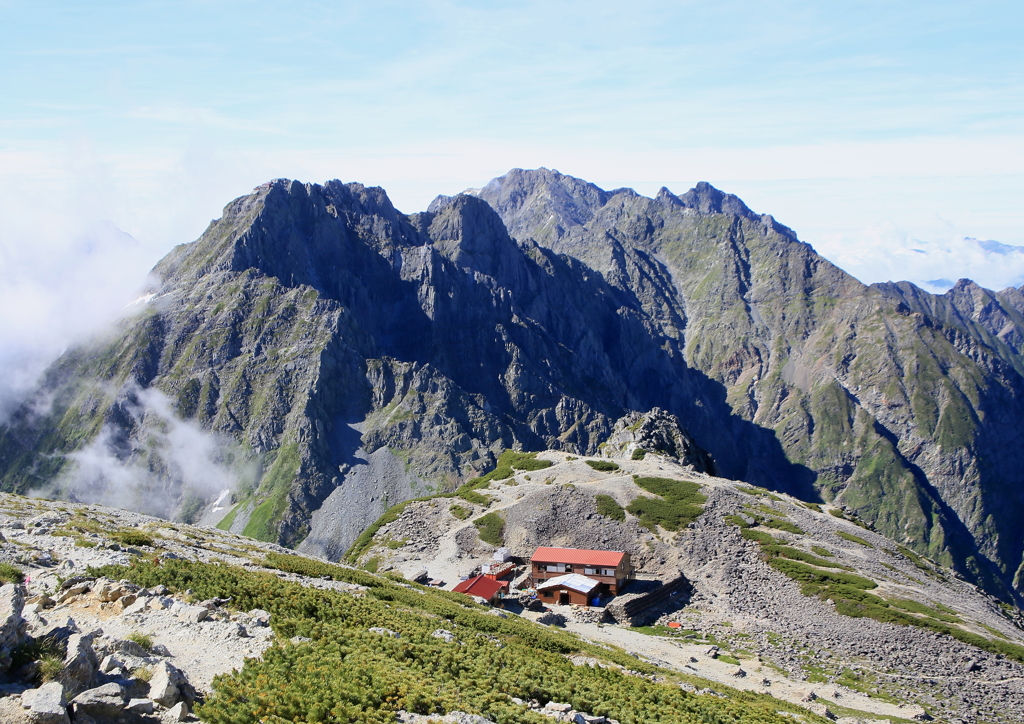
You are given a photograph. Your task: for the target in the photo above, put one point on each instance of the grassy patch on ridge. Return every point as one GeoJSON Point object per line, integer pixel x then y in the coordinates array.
{"type": "Point", "coordinates": [681, 503]}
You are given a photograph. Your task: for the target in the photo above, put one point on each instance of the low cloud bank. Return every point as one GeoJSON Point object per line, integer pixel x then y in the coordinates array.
{"type": "Point", "coordinates": [887, 253]}
{"type": "Point", "coordinates": [55, 291]}
{"type": "Point", "coordinates": [156, 463]}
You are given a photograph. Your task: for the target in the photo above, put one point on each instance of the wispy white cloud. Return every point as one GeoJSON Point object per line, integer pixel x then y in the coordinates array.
{"type": "Point", "coordinates": [175, 460]}
{"type": "Point", "coordinates": [887, 252]}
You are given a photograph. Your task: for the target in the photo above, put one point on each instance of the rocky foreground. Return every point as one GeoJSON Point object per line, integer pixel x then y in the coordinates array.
{"type": "Point", "coordinates": [82, 649]}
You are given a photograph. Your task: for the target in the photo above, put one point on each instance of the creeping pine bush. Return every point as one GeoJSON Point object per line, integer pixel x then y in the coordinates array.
{"type": "Point", "coordinates": [10, 574]}
{"type": "Point", "coordinates": [602, 466]}
{"type": "Point", "coordinates": [681, 503]}
{"type": "Point", "coordinates": [853, 538]}
{"type": "Point", "coordinates": [131, 537]}
{"type": "Point", "coordinates": [780, 524]}
{"type": "Point", "coordinates": [346, 673]}
{"type": "Point", "coordinates": [607, 507]}
{"type": "Point", "coordinates": [491, 528]}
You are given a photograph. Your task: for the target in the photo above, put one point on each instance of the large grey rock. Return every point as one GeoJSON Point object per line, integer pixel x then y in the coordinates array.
{"type": "Point", "coordinates": [47, 704]}
{"type": "Point", "coordinates": [109, 663]}
{"type": "Point", "coordinates": [192, 614]}
{"type": "Point", "coordinates": [140, 706]}
{"type": "Point", "coordinates": [124, 646]}
{"type": "Point", "coordinates": [137, 606]}
{"type": "Point", "coordinates": [178, 712]}
{"type": "Point", "coordinates": [106, 590]}
{"type": "Point", "coordinates": [101, 702]}
{"type": "Point", "coordinates": [12, 633]}
{"type": "Point", "coordinates": [72, 592]}
{"type": "Point", "coordinates": [80, 665]}
{"type": "Point", "coordinates": [259, 617]}
{"type": "Point", "coordinates": [168, 685]}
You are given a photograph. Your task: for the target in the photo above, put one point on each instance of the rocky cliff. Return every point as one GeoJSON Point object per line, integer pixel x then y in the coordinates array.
{"type": "Point", "coordinates": [346, 356]}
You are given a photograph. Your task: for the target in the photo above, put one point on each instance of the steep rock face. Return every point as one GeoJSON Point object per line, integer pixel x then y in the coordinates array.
{"type": "Point", "coordinates": [314, 327]}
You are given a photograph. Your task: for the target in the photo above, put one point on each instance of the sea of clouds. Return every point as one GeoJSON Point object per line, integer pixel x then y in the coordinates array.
{"type": "Point", "coordinates": [888, 253]}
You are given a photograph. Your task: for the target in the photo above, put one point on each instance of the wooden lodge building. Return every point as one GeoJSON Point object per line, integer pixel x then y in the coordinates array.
{"type": "Point", "coordinates": [573, 575]}
{"type": "Point", "coordinates": [483, 587]}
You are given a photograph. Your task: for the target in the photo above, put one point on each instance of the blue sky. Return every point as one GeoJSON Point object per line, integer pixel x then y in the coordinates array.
{"type": "Point", "coordinates": [883, 133]}
{"type": "Point", "coordinates": [431, 97]}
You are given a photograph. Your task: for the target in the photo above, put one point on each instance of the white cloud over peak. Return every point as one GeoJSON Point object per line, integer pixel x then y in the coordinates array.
{"type": "Point", "coordinates": [888, 253]}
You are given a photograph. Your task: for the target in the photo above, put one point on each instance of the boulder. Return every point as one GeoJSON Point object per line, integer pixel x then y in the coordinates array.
{"type": "Point", "coordinates": [124, 601]}
{"type": "Point", "coordinates": [103, 589]}
{"type": "Point", "coordinates": [178, 712]}
{"type": "Point", "coordinates": [125, 646]}
{"type": "Point", "coordinates": [140, 706]}
{"type": "Point", "coordinates": [102, 703]}
{"type": "Point", "coordinates": [110, 663]}
{"type": "Point", "coordinates": [137, 606]}
{"type": "Point", "coordinates": [12, 630]}
{"type": "Point", "coordinates": [232, 629]}
{"type": "Point", "coordinates": [447, 636]}
{"type": "Point", "coordinates": [260, 617]}
{"type": "Point", "coordinates": [75, 582]}
{"type": "Point", "coordinates": [46, 705]}
{"type": "Point", "coordinates": [72, 592]}
{"type": "Point", "coordinates": [159, 603]}
{"type": "Point", "coordinates": [384, 632]}
{"type": "Point", "coordinates": [80, 665]}
{"type": "Point", "coordinates": [192, 614]}
{"type": "Point", "coordinates": [168, 685]}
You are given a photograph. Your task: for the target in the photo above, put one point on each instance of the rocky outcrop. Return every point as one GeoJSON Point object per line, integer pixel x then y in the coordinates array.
{"type": "Point", "coordinates": [659, 433]}
{"type": "Point", "coordinates": [47, 704]}
{"type": "Point", "coordinates": [12, 633]}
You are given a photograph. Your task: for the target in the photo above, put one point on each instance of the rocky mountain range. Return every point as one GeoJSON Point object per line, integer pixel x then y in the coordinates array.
{"type": "Point", "coordinates": [340, 356]}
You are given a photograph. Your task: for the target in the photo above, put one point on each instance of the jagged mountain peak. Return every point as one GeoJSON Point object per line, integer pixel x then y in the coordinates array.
{"type": "Point", "coordinates": [470, 233]}
{"type": "Point", "coordinates": [706, 199]}
{"type": "Point", "coordinates": [528, 198]}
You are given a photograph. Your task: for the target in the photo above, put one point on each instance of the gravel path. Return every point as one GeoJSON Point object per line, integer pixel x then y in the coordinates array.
{"type": "Point", "coordinates": [694, 659]}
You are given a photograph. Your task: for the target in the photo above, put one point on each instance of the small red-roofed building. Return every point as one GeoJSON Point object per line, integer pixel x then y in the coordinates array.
{"type": "Point", "coordinates": [482, 587]}
{"type": "Point", "coordinates": [612, 569]}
